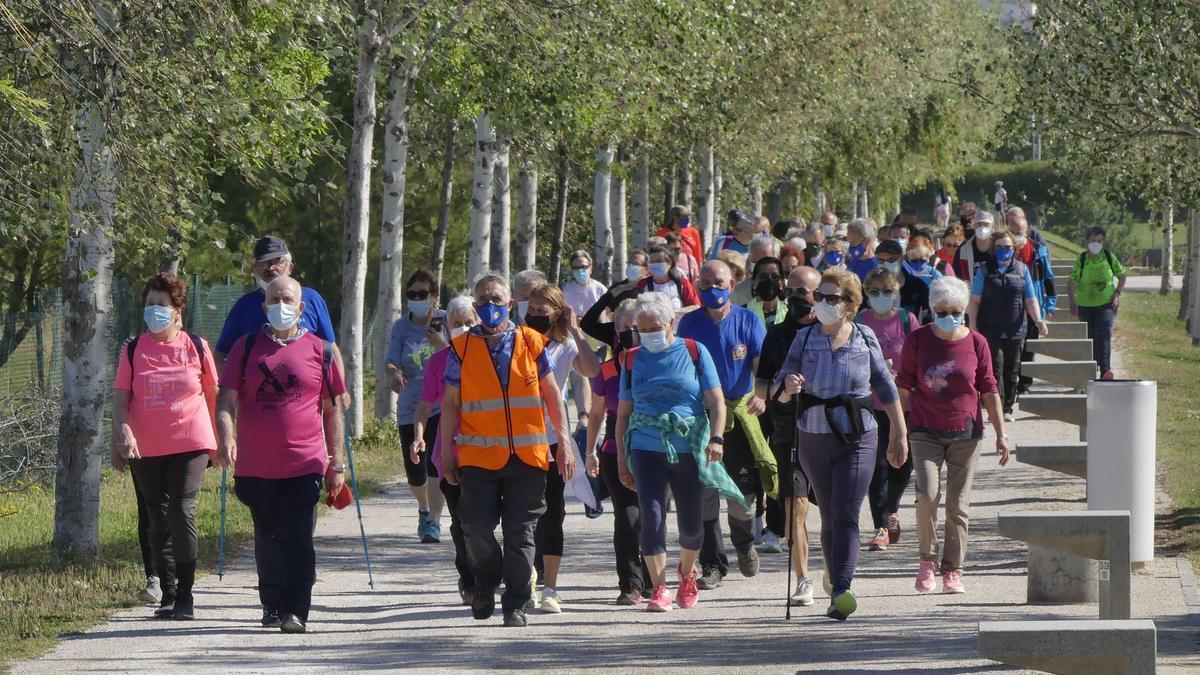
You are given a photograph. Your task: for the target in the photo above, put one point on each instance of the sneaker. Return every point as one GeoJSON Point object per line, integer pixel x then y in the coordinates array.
{"type": "Point", "coordinates": [629, 599]}
{"type": "Point", "coordinates": [425, 528]}
{"type": "Point", "coordinates": [689, 593]}
{"type": "Point", "coordinates": [842, 606]}
{"type": "Point", "coordinates": [748, 562]}
{"type": "Point", "coordinates": [533, 595]}
{"type": "Point", "coordinates": [880, 542]}
{"type": "Point", "coordinates": [435, 533]}
{"type": "Point", "coordinates": [771, 543]}
{"type": "Point", "coordinates": [152, 593]}
{"type": "Point", "coordinates": [952, 582]}
{"type": "Point", "coordinates": [803, 597]}
{"type": "Point", "coordinates": [595, 513]}
{"type": "Point", "coordinates": [515, 619]}
{"type": "Point", "coordinates": [925, 574]}
{"type": "Point", "coordinates": [893, 528]}
{"type": "Point", "coordinates": [184, 610]}
{"type": "Point", "coordinates": [660, 600]}
{"type": "Point", "coordinates": [1008, 417]}
{"type": "Point", "coordinates": [549, 603]}
{"type": "Point", "coordinates": [710, 578]}
{"type": "Point", "coordinates": [270, 618]}
{"type": "Point", "coordinates": [483, 606]}
{"type": "Point", "coordinates": [1108, 375]}
{"type": "Point", "coordinates": [166, 606]}
{"type": "Point", "coordinates": [290, 623]}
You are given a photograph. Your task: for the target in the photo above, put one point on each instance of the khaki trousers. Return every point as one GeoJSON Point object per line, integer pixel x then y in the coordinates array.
{"type": "Point", "coordinates": [960, 456]}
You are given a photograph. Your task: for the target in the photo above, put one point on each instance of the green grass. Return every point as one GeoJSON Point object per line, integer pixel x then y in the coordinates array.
{"type": "Point", "coordinates": [41, 599]}
{"type": "Point", "coordinates": [1061, 247]}
{"type": "Point", "coordinates": [1156, 347]}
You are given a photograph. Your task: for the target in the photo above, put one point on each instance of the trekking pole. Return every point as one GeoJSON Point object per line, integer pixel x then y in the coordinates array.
{"type": "Point", "coordinates": [221, 538]}
{"type": "Point", "coordinates": [358, 505]}
{"type": "Point", "coordinates": [790, 508]}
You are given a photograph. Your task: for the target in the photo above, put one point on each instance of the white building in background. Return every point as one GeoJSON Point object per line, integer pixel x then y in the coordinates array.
{"type": "Point", "coordinates": [1018, 13]}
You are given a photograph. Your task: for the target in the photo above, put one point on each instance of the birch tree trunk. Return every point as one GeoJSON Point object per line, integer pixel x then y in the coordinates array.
{"type": "Point", "coordinates": [602, 217]}
{"type": "Point", "coordinates": [718, 184]}
{"type": "Point", "coordinates": [862, 205]}
{"type": "Point", "coordinates": [854, 199]}
{"type": "Point", "coordinates": [481, 198]}
{"type": "Point", "coordinates": [819, 199]}
{"type": "Point", "coordinates": [669, 197]}
{"type": "Point", "coordinates": [562, 193]}
{"type": "Point", "coordinates": [527, 203]}
{"type": "Point", "coordinates": [685, 181]}
{"type": "Point", "coordinates": [391, 228]}
{"type": "Point", "coordinates": [779, 195]}
{"type": "Point", "coordinates": [501, 244]}
{"type": "Point", "coordinates": [87, 295]}
{"type": "Point", "coordinates": [438, 254]}
{"type": "Point", "coordinates": [756, 196]}
{"type": "Point", "coordinates": [617, 215]}
{"type": "Point", "coordinates": [639, 214]}
{"type": "Point", "coordinates": [705, 216]}
{"type": "Point", "coordinates": [1168, 247]}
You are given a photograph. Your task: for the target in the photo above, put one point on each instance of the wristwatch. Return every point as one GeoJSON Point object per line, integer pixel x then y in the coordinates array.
{"type": "Point", "coordinates": [339, 468]}
{"type": "Point", "coordinates": [718, 440]}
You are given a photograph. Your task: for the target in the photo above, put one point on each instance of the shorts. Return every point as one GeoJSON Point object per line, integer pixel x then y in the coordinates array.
{"type": "Point", "coordinates": [793, 482]}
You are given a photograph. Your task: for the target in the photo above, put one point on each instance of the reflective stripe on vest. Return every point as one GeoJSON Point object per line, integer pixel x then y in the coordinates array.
{"type": "Point", "coordinates": [498, 403]}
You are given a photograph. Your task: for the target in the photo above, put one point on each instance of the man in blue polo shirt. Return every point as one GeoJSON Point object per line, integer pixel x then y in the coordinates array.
{"type": "Point", "coordinates": [271, 259]}
{"type": "Point", "coordinates": [733, 336]}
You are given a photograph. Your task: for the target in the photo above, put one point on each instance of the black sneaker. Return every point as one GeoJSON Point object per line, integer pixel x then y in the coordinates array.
{"type": "Point", "coordinates": [184, 610]}
{"type": "Point", "coordinates": [710, 579]}
{"type": "Point", "coordinates": [270, 618]}
{"type": "Point", "coordinates": [748, 562]}
{"type": "Point", "coordinates": [166, 607]}
{"type": "Point", "coordinates": [484, 604]}
{"type": "Point", "coordinates": [515, 619]}
{"type": "Point", "coordinates": [290, 623]}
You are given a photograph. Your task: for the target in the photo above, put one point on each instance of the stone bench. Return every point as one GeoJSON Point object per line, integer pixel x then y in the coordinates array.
{"type": "Point", "coordinates": [1081, 647]}
{"type": "Point", "coordinates": [1097, 535]}
{"type": "Point", "coordinates": [1060, 348]}
{"type": "Point", "coordinates": [1073, 374]}
{"type": "Point", "coordinates": [1068, 458]}
{"type": "Point", "coordinates": [1069, 408]}
{"type": "Point", "coordinates": [1068, 329]}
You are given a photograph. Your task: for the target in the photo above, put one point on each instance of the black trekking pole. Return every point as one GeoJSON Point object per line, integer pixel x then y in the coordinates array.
{"type": "Point", "coordinates": [789, 509]}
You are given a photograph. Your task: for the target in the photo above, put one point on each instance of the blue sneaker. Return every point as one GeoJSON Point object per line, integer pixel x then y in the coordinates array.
{"type": "Point", "coordinates": [425, 528]}
{"type": "Point", "coordinates": [595, 513]}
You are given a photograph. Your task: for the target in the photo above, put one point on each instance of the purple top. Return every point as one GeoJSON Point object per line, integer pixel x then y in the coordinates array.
{"type": "Point", "coordinates": [433, 387]}
{"type": "Point", "coordinates": [608, 385]}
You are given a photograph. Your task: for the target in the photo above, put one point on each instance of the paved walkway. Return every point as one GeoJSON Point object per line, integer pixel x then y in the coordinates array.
{"type": "Point", "coordinates": [412, 621]}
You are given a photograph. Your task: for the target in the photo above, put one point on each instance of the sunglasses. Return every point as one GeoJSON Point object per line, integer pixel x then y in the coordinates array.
{"type": "Point", "coordinates": [942, 315]}
{"type": "Point", "coordinates": [584, 267]}
{"type": "Point", "coordinates": [832, 299]}
{"type": "Point", "coordinates": [875, 293]}
{"type": "Point", "coordinates": [417, 295]}
{"type": "Point", "coordinates": [796, 292]}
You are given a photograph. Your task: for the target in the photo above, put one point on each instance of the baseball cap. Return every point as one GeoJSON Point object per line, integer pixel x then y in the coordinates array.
{"type": "Point", "coordinates": [269, 248]}
{"type": "Point", "coordinates": [984, 217]}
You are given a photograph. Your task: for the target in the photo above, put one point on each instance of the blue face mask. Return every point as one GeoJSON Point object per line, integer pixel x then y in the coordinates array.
{"type": "Point", "coordinates": [418, 307]}
{"type": "Point", "coordinates": [492, 315]}
{"type": "Point", "coordinates": [918, 265]}
{"type": "Point", "coordinates": [714, 298]}
{"type": "Point", "coordinates": [582, 275]}
{"type": "Point", "coordinates": [158, 318]}
{"type": "Point", "coordinates": [882, 303]}
{"type": "Point", "coordinates": [1004, 255]}
{"type": "Point", "coordinates": [834, 258]}
{"type": "Point", "coordinates": [685, 222]}
{"type": "Point", "coordinates": [655, 341]}
{"type": "Point", "coordinates": [949, 322]}
{"type": "Point", "coordinates": [858, 251]}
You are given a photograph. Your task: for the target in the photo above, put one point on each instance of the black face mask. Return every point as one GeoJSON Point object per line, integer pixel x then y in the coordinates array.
{"type": "Point", "coordinates": [811, 253]}
{"type": "Point", "coordinates": [539, 323]}
{"type": "Point", "coordinates": [799, 308]}
{"type": "Point", "coordinates": [767, 290]}
{"type": "Point", "coordinates": [966, 221]}
{"type": "Point", "coordinates": [627, 339]}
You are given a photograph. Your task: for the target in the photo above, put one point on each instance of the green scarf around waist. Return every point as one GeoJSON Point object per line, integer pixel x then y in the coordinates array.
{"type": "Point", "coordinates": [764, 459]}
{"type": "Point", "coordinates": [695, 431]}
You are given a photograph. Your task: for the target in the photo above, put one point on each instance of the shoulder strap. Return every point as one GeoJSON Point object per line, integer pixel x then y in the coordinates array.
{"type": "Point", "coordinates": [199, 351]}
{"type": "Point", "coordinates": [247, 346]}
{"type": "Point", "coordinates": [326, 364]}
{"type": "Point", "coordinates": [1109, 257]}
{"type": "Point", "coordinates": [130, 348]}
{"type": "Point", "coordinates": [694, 352]}
{"type": "Point", "coordinates": [1082, 259]}
{"type": "Point", "coordinates": [627, 357]}
{"type": "Point", "coordinates": [907, 322]}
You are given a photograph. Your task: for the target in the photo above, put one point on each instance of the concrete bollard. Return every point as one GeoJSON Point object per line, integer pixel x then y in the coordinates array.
{"type": "Point", "coordinates": [1060, 578]}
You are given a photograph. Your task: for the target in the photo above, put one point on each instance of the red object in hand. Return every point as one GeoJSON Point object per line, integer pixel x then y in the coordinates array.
{"type": "Point", "coordinates": [339, 501]}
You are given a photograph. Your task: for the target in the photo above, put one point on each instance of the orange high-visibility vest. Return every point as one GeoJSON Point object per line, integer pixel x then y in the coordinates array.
{"type": "Point", "coordinates": [496, 423]}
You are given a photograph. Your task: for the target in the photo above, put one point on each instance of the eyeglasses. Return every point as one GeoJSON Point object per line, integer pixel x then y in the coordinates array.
{"type": "Point", "coordinates": [583, 267]}
{"type": "Point", "coordinates": [796, 292]}
{"type": "Point", "coordinates": [877, 292]}
{"type": "Point", "coordinates": [417, 295]}
{"type": "Point", "coordinates": [705, 285]}
{"type": "Point", "coordinates": [832, 299]}
{"type": "Point", "coordinates": [942, 315]}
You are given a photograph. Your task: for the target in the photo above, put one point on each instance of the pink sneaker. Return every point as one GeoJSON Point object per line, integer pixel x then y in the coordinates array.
{"type": "Point", "coordinates": [952, 582]}
{"type": "Point", "coordinates": [689, 592]}
{"type": "Point", "coordinates": [925, 575]}
{"type": "Point", "coordinates": [660, 601]}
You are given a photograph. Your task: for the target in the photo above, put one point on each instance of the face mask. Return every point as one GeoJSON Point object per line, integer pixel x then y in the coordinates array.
{"type": "Point", "coordinates": [827, 313]}
{"type": "Point", "coordinates": [655, 341]}
{"type": "Point", "coordinates": [767, 289]}
{"type": "Point", "coordinates": [949, 322]}
{"type": "Point", "coordinates": [261, 284]}
{"type": "Point", "coordinates": [522, 307]}
{"type": "Point", "coordinates": [283, 316]}
{"type": "Point", "coordinates": [539, 323]}
{"type": "Point", "coordinates": [799, 308]}
{"type": "Point", "coordinates": [685, 222]}
{"type": "Point", "coordinates": [834, 258]}
{"type": "Point", "coordinates": [1004, 255]}
{"type": "Point", "coordinates": [627, 339]}
{"type": "Point", "coordinates": [714, 298]}
{"type": "Point", "coordinates": [893, 267]}
{"type": "Point", "coordinates": [492, 315]}
{"type": "Point", "coordinates": [812, 252]}
{"type": "Point", "coordinates": [455, 332]}
{"type": "Point", "coordinates": [158, 318]}
{"type": "Point", "coordinates": [1019, 242]}
{"type": "Point", "coordinates": [1094, 247]}
{"type": "Point", "coordinates": [965, 221]}
{"type": "Point", "coordinates": [983, 233]}
{"type": "Point", "coordinates": [882, 303]}
{"type": "Point", "coordinates": [418, 307]}
{"type": "Point", "coordinates": [581, 275]}
{"type": "Point", "coordinates": [827, 230]}
{"type": "Point", "coordinates": [918, 265]}
{"type": "Point", "coordinates": [858, 251]}
{"type": "Point", "coordinates": [659, 270]}
{"type": "Point", "coordinates": [633, 272]}
{"type": "Point", "coordinates": [903, 244]}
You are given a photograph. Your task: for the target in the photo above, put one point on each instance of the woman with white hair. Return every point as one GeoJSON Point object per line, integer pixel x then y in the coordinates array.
{"type": "Point", "coordinates": [664, 437]}
{"type": "Point", "coordinates": [945, 369]}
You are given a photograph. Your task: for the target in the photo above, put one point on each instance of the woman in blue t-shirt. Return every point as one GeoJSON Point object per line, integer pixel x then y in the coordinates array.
{"type": "Point", "coordinates": [663, 438]}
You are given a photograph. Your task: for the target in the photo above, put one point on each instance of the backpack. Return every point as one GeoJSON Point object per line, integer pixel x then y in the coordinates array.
{"type": "Point", "coordinates": [1108, 258]}
{"type": "Point", "coordinates": [627, 359]}
{"type": "Point", "coordinates": [131, 348]}
{"type": "Point", "coordinates": [326, 361]}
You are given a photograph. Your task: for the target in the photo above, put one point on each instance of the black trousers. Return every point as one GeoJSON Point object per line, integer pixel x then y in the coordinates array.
{"type": "Point", "coordinates": [169, 485]}
{"type": "Point", "coordinates": [1006, 364]}
{"type": "Point", "coordinates": [453, 495]}
{"type": "Point", "coordinates": [739, 462]}
{"type": "Point", "coordinates": [548, 534]}
{"type": "Point", "coordinates": [149, 564]}
{"type": "Point", "coordinates": [627, 528]}
{"type": "Point", "coordinates": [514, 497]}
{"type": "Point", "coordinates": [1031, 333]}
{"type": "Point", "coordinates": [888, 483]}
{"type": "Point", "coordinates": [284, 516]}
{"type": "Point", "coordinates": [418, 474]}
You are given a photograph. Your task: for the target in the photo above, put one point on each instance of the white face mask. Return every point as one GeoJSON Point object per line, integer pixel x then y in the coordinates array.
{"type": "Point", "coordinates": [655, 341]}
{"type": "Point", "coordinates": [158, 318]}
{"type": "Point", "coordinates": [983, 233]}
{"type": "Point", "coordinates": [283, 316]}
{"type": "Point", "coordinates": [827, 313]}
{"type": "Point", "coordinates": [1094, 247]}
{"type": "Point", "coordinates": [659, 270]}
{"type": "Point", "coordinates": [455, 332]}
{"type": "Point", "coordinates": [1019, 242]}
{"type": "Point", "coordinates": [261, 284]}
{"type": "Point", "coordinates": [522, 307]}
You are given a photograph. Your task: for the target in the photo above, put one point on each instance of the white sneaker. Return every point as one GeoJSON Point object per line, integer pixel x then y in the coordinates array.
{"type": "Point", "coordinates": [152, 593]}
{"type": "Point", "coordinates": [803, 597]}
{"type": "Point", "coordinates": [771, 543]}
{"type": "Point", "coordinates": [549, 603]}
{"type": "Point", "coordinates": [1008, 417]}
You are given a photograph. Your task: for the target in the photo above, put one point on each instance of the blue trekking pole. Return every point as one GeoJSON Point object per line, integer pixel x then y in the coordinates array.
{"type": "Point", "coordinates": [358, 505]}
{"type": "Point", "coordinates": [221, 539]}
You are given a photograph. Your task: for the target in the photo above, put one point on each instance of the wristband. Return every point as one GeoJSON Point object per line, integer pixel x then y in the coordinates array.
{"type": "Point", "coordinates": [340, 468]}
{"type": "Point", "coordinates": [718, 440]}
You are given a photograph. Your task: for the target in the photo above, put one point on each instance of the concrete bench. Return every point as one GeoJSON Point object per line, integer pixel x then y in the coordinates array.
{"type": "Point", "coordinates": [1068, 458]}
{"type": "Point", "coordinates": [1069, 408]}
{"type": "Point", "coordinates": [1082, 647]}
{"type": "Point", "coordinates": [1068, 329]}
{"type": "Point", "coordinates": [1062, 349]}
{"type": "Point", "coordinates": [1073, 374]}
{"type": "Point", "coordinates": [1098, 535]}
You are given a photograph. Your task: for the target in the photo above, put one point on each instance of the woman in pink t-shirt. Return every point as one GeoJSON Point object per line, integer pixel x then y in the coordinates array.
{"type": "Point", "coordinates": [163, 429]}
{"type": "Point", "coordinates": [891, 325]}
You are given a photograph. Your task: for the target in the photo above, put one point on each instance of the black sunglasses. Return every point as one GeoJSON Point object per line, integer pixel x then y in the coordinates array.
{"type": "Point", "coordinates": [417, 295]}
{"type": "Point", "coordinates": [832, 299]}
{"type": "Point", "coordinates": [942, 315]}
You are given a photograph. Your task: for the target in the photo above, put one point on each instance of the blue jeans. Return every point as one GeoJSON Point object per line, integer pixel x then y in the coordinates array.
{"type": "Point", "coordinates": [652, 473]}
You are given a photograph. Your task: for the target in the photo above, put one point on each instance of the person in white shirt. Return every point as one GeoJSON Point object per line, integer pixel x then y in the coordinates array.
{"type": "Point", "coordinates": [581, 293]}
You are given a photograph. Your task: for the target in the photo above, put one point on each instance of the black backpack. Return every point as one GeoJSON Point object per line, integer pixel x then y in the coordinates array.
{"type": "Point", "coordinates": [326, 360]}
{"type": "Point", "coordinates": [131, 348]}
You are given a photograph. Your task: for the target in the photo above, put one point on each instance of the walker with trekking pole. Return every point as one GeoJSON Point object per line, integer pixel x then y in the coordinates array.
{"type": "Point", "coordinates": [358, 506]}
{"type": "Point", "coordinates": [789, 506]}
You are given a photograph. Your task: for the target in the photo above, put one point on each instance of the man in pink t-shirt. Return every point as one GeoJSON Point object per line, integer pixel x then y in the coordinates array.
{"type": "Point", "coordinates": [282, 383]}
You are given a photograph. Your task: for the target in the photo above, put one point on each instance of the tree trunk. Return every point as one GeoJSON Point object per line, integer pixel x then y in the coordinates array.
{"type": "Point", "coordinates": [1189, 268]}
{"type": "Point", "coordinates": [1168, 247]}
{"type": "Point", "coordinates": [705, 216]}
{"type": "Point", "coordinates": [355, 224]}
{"type": "Point", "coordinates": [819, 198]}
{"type": "Point", "coordinates": [639, 215]}
{"type": "Point", "coordinates": [87, 296]}
{"type": "Point", "coordinates": [669, 195]}
{"type": "Point", "coordinates": [562, 192]}
{"type": "Point", "coordinates": [778, 197]}
{"type": "Point", "coordinates": [438, 255]}
{"type": "Point", "coordinates": [501, 244]}
{"type": "Point", "coordinates": [862, 205]}
{"type": "Point", "coordinates": [854, 203]}
{"type": "Point", "coordinates": [756, 196]}
{"type": "Point", "coordinates": [602, 217]}
{"type": "Point", "coordinates": [685, 181]}
{"type": "Point", "coordinates": [718, 184]}
{"type": "Point", "coordinates": [617, 216]}
{"type": "Point", "coordinates": [481, 198]}
{"type": "Point", "coordinates": [391, 228]}
{"type": "Point", "coordinates": [527, 202]}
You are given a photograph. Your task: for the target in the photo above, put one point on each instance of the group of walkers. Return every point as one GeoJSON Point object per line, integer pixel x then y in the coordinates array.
{"type": "Point", "coordinates": [793, 365]}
